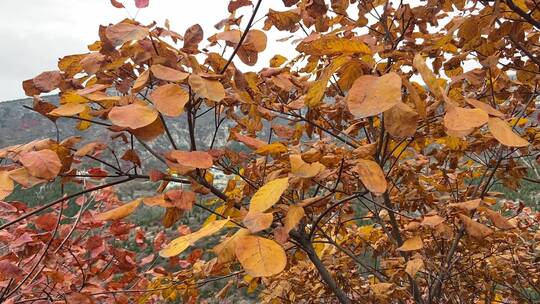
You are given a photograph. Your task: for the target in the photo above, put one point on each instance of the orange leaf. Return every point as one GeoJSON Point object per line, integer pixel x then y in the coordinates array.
{"type": "Point", "coordinates": [193, 159]}
{"type": "Point", "coordinates": [6, 184]}
{"type": "Point", "coordinates": [170, 99]}
{"type": "Point", "coordinates": [120, 33]}
{"type": "Point", "coordinates": [371, 95]}
{"type": "Point", "coordinates": [68, 109]}
{"type": "Point", "coordinates": [42, 164]}
{"type": "Point", "coordinates": [119, 212]}
{"type": "Point", "coordinates": [258, 221]}
{"type": "Point", "coordinates": [302, 169]}
{"type": "Point", "coordinates": [259, 256]}
{"type": "Point", "coordinates": [210, 89]}
{"type": "Point", "coordinates": [498, 220]}
{"type": "Point", "coordinates": [371, 175]}
{"type": "Point", "coordinates": [141, 81]}
{"type": "Point", "coordinates": [132, 116]}
{"type": "Point", "coordinates": [401, 120]}
{"type": "Point", "coordinates": [461, 122]}
{"type": "Point", "coordinates": [504, 134]}
{"type": "Point", "coordinates": [412, 244]}
{"type": "Point", "coordinates": [484, 106]}
{"type": "Point", "coordinates": [168, 74]}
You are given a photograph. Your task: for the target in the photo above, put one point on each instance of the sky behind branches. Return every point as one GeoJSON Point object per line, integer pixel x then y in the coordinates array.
{"type": "Point", "coordinates": [35, 33]}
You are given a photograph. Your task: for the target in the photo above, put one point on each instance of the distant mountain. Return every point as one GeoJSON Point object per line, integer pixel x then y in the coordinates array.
{"type": "Point", "coordinates": [20, 125]}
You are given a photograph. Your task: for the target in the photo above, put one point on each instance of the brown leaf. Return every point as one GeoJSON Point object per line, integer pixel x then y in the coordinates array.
{"type": "Point", "coordinates": [498, 220]}
{"type": "Point", "coordinates": [372, 95]}
{"type": "Point", "coordinates": [117, 4]}
{"type": "Point", "coordinates": [192, 37]}
{"type": "Point", "coordinates": [474, 228]}
{"type": "Point", "coordinates": [468, 205]}
{"type": "Point", "coordinates": [401, 120]}
{"type": "Point", "coordinates": [181, 199]}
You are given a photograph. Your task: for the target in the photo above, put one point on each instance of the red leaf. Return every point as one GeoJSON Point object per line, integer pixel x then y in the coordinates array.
{"type": "Point", "coordinates": [141, 3]}
{"type": "Point", "coordinates": [46, 221]}
{"type": "Point", "coordinates": [97, 173]}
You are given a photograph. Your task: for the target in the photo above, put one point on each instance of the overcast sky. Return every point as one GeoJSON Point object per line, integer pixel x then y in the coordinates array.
{"type": "Point", "coordinates": [35, 33]}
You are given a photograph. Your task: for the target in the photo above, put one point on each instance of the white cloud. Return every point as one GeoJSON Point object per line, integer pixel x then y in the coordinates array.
{"type": "Point", "coordinates": [35, 33]}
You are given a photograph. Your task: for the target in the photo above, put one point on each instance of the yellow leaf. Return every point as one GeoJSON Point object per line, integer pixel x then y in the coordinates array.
{"type": "Point", "coordinates": [293, 217]}
{"type": "Point", "coordinates": [273, 148]}
{"type": "Point", "coordinates": [302, 169]}
{"type": "Point", "coordinates": [427, 75]}
{"type": "Point", "coordinates": [259, 256]}
{"type": "Point", "coordinates": [371, 175]}
{"type": "Point", "coordinates": [317, 89]}
{"type": "Point", "coordinates": [68, 109]}
{"type": "Point", "coordinates": [6, 184]}
{"type": "Point", "coordinates": [504, 134]}
{"type": "Point", "coordinates": [180, 244]}
{"type": "Point", "coordinates": [277, 60]}
{"type": "Point", "coordinates": [371, 95]}
{"type": "Point", "coordinates": [332, 45]}
{"type": "Point", "coordinates": [225, 249]}
{"type": "Point", "coordinates": [268, 195]}
{"type": "Point", "coordinates": [258, 221]}
{"type": "Point", "coordinates": [119, 212]}
{"type": "Point", "coordinates": [414, 243]}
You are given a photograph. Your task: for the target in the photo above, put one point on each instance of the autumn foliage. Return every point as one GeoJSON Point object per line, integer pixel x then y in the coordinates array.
{"type": "Point", "coordinates": [366, 173]}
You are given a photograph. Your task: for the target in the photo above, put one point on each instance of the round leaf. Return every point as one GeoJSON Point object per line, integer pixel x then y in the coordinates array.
{"type": "Point", "coordinates": [371, 95]}
{"type": "Point", "coordinates": [132, 116]}
{"type": "Point", "coordinates": [170, 99]}
{"type": "Point", "coordinates": [259, 256]}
